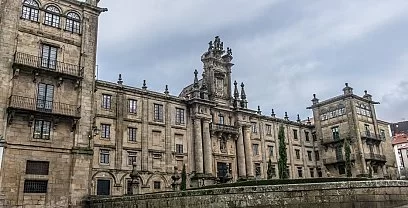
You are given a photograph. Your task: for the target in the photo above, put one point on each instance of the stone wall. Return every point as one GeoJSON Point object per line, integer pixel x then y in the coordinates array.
{"type": "Point", "coordinates": [370, 194]}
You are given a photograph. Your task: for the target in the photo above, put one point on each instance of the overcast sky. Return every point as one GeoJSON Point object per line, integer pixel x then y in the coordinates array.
{"type": "Point", "coordinates": [284, 51]}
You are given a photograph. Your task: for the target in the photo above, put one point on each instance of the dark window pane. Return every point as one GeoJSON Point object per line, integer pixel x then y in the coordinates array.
{"type": "Point", "coordinates": [103, 187]}
{"type": "Point", "coordinates": [35, 186]}
{"type": "Point", "coordinates": [37, 167]}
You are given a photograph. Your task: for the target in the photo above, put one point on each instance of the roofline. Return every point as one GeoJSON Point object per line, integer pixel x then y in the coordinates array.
{"type": "Point", "coordinates": [340, 97]}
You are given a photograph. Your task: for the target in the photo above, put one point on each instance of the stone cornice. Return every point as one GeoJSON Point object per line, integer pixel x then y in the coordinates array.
{"type": "Point", "coordinates": [341, 97]}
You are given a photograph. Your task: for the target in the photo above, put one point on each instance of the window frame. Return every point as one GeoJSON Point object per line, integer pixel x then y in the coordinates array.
{"type": "Point", "coordinates": [254, 127]}
{"type": "Point", "coordinates": [297, 154]}
{"type": "Point", "coordinates": [255, 149]}
{"type": "Point", "coordinates": [132, 134]}
{"type": "Point", "coordinates": [29, 11]}
{"type": "Point", "coordinates": [180, 116]}
{"type": "Point", "coordinates": [104, 157]}
{"type": "Point", "coordinates": [300, 172]}
{"type": "Point", "coordinates": [158, 112]}
{"type": "Point", "coordinates": [157, 185]}
{"type": "Point", "coordinates": [307, 138]}
{"type": "Point", "coordinates": [106, 101]}
{"type": "Point", "coordinates": [34, 167]}
{"type": "Point", "coordinates": [42, 126]}
{"type": "Point", "coordinates": [101, 192]}
{"type": "Point", "coordinates": [105, 131]}
{"type": "Point", "coordinates": [295, 134]}
{"type": "Point", "coordinates": [132, 157]}
{"type": "Point", "coordinates": [268, 128]}
{"type": "Point", "coordinates": [73, 24]}
{"type": "Point", "coordinates": [309, 155]}
{"type": "Point", "coordinates": [52, 18]}
{"type": "Point", "coordinates": [132, 106]}
{"type": "Point", "coordinates": [30, 186]}
{"type": "Point", "coordinates": [179, 149]}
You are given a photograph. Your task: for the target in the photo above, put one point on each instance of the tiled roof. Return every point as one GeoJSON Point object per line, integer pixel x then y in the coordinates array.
{"type": "Point", "coordinates": [399, 139]}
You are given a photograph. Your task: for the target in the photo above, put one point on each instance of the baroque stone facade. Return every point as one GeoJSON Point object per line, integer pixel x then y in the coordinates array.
{"type": "Point", "coordinates": [65, 135]}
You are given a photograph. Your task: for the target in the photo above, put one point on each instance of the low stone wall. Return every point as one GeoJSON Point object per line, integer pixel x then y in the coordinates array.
{"type": "Point", "coordinates": [356, 194]}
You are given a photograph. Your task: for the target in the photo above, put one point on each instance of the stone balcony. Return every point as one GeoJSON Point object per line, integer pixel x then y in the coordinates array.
{"type": "Point", "coordinates": [31, 63]}
{"type": "Point", "coordinates": [375, 157]}
{"type": "Point", "coordinates": [33, 105]}
{"type": "Point", "coordinates": [222, 128]}
{"type": "Point", "coordinates": [371, 137]}
{"type": "Point", "coordinates": [330, 141]}
{"type": "Point", "coordinates": [334, 160]}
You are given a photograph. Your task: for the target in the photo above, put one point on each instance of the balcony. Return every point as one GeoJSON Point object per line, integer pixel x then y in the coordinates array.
{"type": "Point", "coordinates": [375, 157]}
{"type": "Point", "coordinates": [334, 160]}
{"type": "Point", "coordinates": [41, 106]}
{"type": "Point", "coordinates": [222, 128]}
{"type": "Point", "coordinates": [29, 62]}
{"type": "Point", "coordinates": [332, 141]}
{"type": "Point", "coordinates": [370, 136]}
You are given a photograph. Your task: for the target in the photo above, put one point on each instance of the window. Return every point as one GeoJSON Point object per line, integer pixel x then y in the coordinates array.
{"type": "Point", "coordinates": [257, 169]}
{"type": "Point", "coordinates": [307, 136]}
{"type": "Point", "coordinates": [179, 116]}
{"type": "Point", "coordinates": [52, 16]}
{"type": "Point", "coordinates": [45, 97]}
{"type": "Point", "coordinates": [255, 149]}
{"type": "Point", "coordinates": [102, 187]}
{"type": "Point", "coordinates": [254, 129]}
{"type": "Point", "coordinates": [382, 134]}
{"type": "Point", "coordinates": [314, 136]}
{"type": "Point", "coordinates": [311, 172]}
{"type": "Point", "coordinates": [37, 167]}
{"type": "Point", "coordinates": [221, 119]}
{"type": "Point", "coordinates": [42, 129]}
{"type": "Point", "coordinates": [106, 101]}
{"type": "Point", "coordinates": [73, 23]}
{"type": "Point", "coordinates": [30, 10]}
{"type": "Point", "coordinates": [297, 154]}
{"type": "Point", "coordinates": [129, 189]}
{"type": "Point", "coordinates": [317, 156]}
{"type": "Point", "coordinates": [300, 172]}
{"type": "Point", "coordinates": [319, 172]}
{"type": "Point", "coordinates": [132, 106]}
{"type": "Point", "coordinates": [367, 129]}
{"type": "Point", "coordinates": [339, 153]}
{"type": "Point", "coordinates": [273, 172]}
{"type": "Point", "coordinates": [179, 148]}
{"type": "Point", "coordinates": [105, 131]}
{"type": "Point", "coordinates": [288, 171]}
{"type": "Point", "coordinates": [270, 148]}
{"type": "Point", "coordinates": [309, 155]}
{"type": "Point", "coordinates": [131, 158]}
{"type": "Point", "coordinates": [156, 185]}
{"type": "Point", "coordinates": [223, 145]}
{"type": "Point", "coordinates": [295, 134]}
{"type": "Point", "coordinates": [335, 132]}
{"type": "Point", "coordinates": [35, 186]}
{"type": "Point", "coordinates": [342, 170]}
{"type": "Point", "coordinates": [268, 129]}
{"type": "Point", "coordinates": [158, 112]}
{"type": "Point", "coordinates": [104, 157]}
{"type": "Point", "coordinates": [132, 134]}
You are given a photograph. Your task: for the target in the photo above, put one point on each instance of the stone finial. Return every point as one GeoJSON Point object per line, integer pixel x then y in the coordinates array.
{"type": "Point", "coordinates": [308, 121]}
{"type": "Point", "coordinates": [367, 96]}
{"type": "Point", "coordinates": [134, 175]}
{"type": "Point", "coordinates": [298, 118]}
{"type": "Point", "coordinates": [273, 113]}
{"type": "Point", "coordinates": [286, 116]}
{"type": "Point", "coordinates": [210, 46]}
{"type": "Point", "coordinates": [347, 89]}
{"type": "Point", "coordinates": [243, 95]}
{"type": "Point", "coordinates": [259, 110]}
{"type": "Point", "coordinates": [229, 51]}
{"type": "Point", "coordinates": [144, 85]}
{"type": "Point", "coordinates": [315, 100]}
{"type": "Point", "coordinates": [195, 85]}
{"type": "Point", "coordinates": [120, 81]}
{"type": "Point", "coordinates": [236, 93]}
{"type": "Point", "coordinates": [166, 90]}
{"type": "Point", "coordinates": [204, 90]}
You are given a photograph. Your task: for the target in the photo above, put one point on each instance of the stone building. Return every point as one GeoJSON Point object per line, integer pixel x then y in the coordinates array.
{"type": "Point", "coordinates": [400, 146]}
{"type": "Point", "coordinates": [65, 135]}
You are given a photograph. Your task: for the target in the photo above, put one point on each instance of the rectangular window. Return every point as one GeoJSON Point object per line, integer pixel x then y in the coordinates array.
{"type": "Point", "coordinates": [339, 153]}
{"type": "Point", "coordinates": [311, 172]}
{"type": "Point", "coordinates": [367, 129]}
{"type": "Point", "coordinates": [37, 167]}
{"type": "Point", "coordinates": [131, 158]}
{"type": "Point", "coordinates": [179, 116]}
{"type": "Point", "coordinates": [129, 190]}
{"type": "Point", "coordinates": [132, 134]}
{"type": "Point", "coordinates": [104, 157]}
{"type": "Point", "coordinates": [45, 97]}
{"type": "Point", "coordinates": [382, 134]}
{"type": "Point", "coordinates": [268, 129]}
{"type": "Point", "coordinates": [255, 149]}
{"type": "Point", "coordinates": [103, 187]}
{"type": "Point", "coordinates": [288, 171]}
{"type": "Point", "coordinates": [257, 169]}
{"type": "Point", "coordinates": [221, 119]}
{"type": "Point", "coordinates": [300, 172]}
{"type": "Point", "coordinates": [254, 129]}
{"type": "Point", "coordinates": [270, 148]}
{"type": "Point", "coordinates": [342, 170]}
{"type": "Point", "coordinates": [42, 129]}
{"type": "Point", "coordinates": [156, 185]}
{"type": "Point", "coordinates": [52, 19]}
{"type": "Point", "coordinates": [132, 106]}
{"type": "Point", "coordinates": [273, 172]}
{"type": "Point", "coordinates": [105, 131]}
{"type": "Point", "coordinates": [307, 136]}
{"type": "Point", "coordinates": [314, 136]}
{"type": "Point", "coordinates": [295, 134]}
{"type": "Point", "coordinates": [30, 13]}
{"type": "Point", "coordinates": [297, 154]}
{"type": "Point", "coordinates": [309, 155]}
{"type": "Point", "coordinates": [317, 155]}
{"type": "Point", "coordinates": [106, 101]}
{"type": "Point", "coordinates": [158, 112]}
{"type": "Point", "coordinates": [319, 172]}
{"type": "Point", "coordinates": [35, 186]}
{"type": "Point", "coordinates": [179, 148]}
{"type": "Point", "coordinates": [49, 57]}
{"type": "Point", "coordinates": [335, 132]}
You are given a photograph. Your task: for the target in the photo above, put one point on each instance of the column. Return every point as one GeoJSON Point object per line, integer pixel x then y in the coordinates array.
{"type": "Point", "coordinates": [208, 157]}
{"type": "Point", "coordinates": [198, 146]}
{"type": "Point", "coordinates": [241, 155]}
{"type": "Point", "coordinates": [248, 152]}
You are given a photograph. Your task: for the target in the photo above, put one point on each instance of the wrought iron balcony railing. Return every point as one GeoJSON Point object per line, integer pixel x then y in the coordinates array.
{"type": "Point", "coordinates": [332, 140]}
{"type": "Point", "coordinates": [370, 135]}
{"type": "Point", "coordinates": [47, 64]}
{"type": "Point", "coordinates": [43, 106]}
{"type": "Point", "coordinates": [223, 128]}
{"type": "Point", "coordinates": [340, 159]}
{"type": "Point", "coordinates": [372, 156]}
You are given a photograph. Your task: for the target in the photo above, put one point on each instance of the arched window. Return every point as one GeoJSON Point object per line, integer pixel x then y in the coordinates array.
{"type": "Point", "coordinates": [73, 23]}
{"type": "Point", "coordinates": [52, 16]}
{"type": "Point", "coordinates": [30, 10]}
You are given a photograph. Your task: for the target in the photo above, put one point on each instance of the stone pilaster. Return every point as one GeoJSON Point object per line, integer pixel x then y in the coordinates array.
{"type": "Point", "coordinates": [208, 157]}
{"type": "Point", "coordinates": [248, 152]}
{"type": "Point", "coordinates": [120, 100]}
{"type": "Point", "coordinates": [145, 129]}
{"type": "Point", "coordinates": [241, 155]}
{"type": "Point", "coordinates": [198, 146]}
